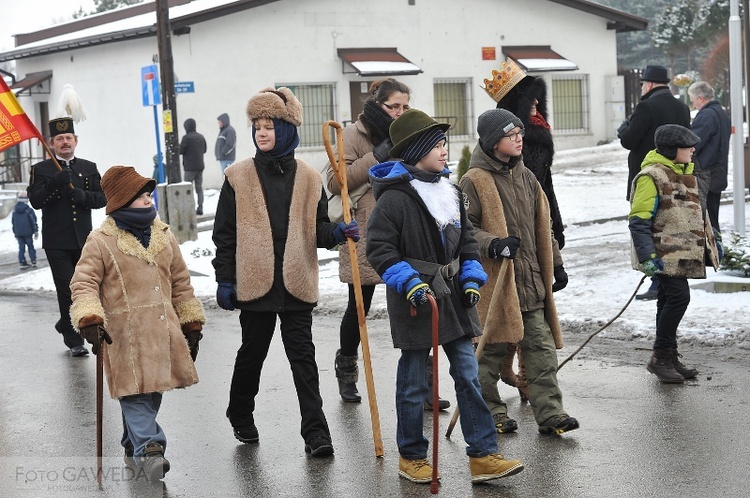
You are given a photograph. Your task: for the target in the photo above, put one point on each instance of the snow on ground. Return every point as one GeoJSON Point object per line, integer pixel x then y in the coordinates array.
{"type": "Point", "coordinates": [590, 186]}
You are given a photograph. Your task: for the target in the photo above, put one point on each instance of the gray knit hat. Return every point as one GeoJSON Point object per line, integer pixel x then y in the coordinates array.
{"type": "Point", "coordinates": [494, 124]}
{"type": "Point", "coordinates": [669, 137]}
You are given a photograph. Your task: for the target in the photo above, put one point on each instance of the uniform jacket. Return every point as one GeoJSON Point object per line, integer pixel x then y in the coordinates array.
{"type": "Point", "coordinates": [502, 201]}
{"type": "Point", "coordinates": [401, 227]}
{"type": "Point", "coordinates": [143, 297]}
{"type": "Point", "coordinates": [192, 148]}
{"type": "Point", "coordinates": [24, 220]}
{"type": "Point", "coordinates": [656, 108]}
{"type": "Point", "coordinates": [65, 225]}
{"type": "Point", "coordinates": [266, 231]}
{"type": "Point", "coordinates": [714, 128]}
{"type": "Point", "coordinates": [359, 159]}
{"type": "Point", "coordinates": [226, 143]}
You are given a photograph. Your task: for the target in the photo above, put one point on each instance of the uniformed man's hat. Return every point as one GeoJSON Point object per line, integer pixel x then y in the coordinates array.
{"type": "Point", "coordinates": [61, 125]}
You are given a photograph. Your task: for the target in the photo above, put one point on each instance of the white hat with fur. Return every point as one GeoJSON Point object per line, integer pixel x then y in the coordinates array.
{"type": "Point", "coordinates": [275, 103]}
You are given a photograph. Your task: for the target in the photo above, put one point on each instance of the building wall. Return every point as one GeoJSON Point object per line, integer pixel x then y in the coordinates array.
{"type": "Point", "coordinates": [286, 42]}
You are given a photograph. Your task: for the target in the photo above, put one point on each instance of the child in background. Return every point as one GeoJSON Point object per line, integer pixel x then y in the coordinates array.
{"type": "Point", "coordinates": [25, 229]}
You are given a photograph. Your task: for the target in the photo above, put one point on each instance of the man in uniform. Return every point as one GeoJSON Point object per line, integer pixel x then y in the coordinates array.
{"type": "Point", "coordinates": [66, 197]}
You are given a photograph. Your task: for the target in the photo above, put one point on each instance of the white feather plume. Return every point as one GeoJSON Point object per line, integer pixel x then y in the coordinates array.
{"type": "Point", "coordinates": [70, 105]}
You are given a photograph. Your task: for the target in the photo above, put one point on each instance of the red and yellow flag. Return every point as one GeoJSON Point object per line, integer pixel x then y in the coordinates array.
{"type": "Point", "coordinates": [15, 125]}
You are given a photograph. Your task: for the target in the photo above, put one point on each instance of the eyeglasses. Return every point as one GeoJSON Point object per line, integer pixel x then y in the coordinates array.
{"type": "Point", "coordinates": [396, 107]}
{"type": "Point", "coordinates": [516, 137]}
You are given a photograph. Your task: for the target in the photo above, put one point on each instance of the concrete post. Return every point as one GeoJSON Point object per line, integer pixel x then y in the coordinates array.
{"type": "Point", "coordinates": [177, 208]}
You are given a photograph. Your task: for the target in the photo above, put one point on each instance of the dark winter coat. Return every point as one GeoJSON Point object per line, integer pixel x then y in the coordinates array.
{"type": "Point", "coordinates": [65, 225]}
{"type": "Point", "coordinates": [400, 226]}
{"type": "Point", "coordinates": [192, 148]}
{"type": "Point", "coordinates": [226, 142]}
{"type": "Point", "coordinates": [656, 108]}
{"type": "Point", "coordinates": [24, 220]}
{"type": "Point", "coordinates": [713, 126]}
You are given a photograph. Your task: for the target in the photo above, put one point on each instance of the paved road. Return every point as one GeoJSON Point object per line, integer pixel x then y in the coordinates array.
{"type": "Point", "coordinates": [637, 437]}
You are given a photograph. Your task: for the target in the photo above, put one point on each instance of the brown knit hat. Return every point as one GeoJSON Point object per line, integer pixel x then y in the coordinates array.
{"type": "Point", "coordinates": [272, 103]}
{"type": "Point", "coordinates": [122, 184]}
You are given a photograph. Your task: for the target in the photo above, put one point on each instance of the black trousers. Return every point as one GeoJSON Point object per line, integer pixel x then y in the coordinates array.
{"type": "Point", "coordinates": [63, 263]}
{"type": "Point", "coordinates": [349, 331]}
{"type": "Point", "coordinates": [296, 334]}
{"type": "Point", "coordinates": [671, 303]}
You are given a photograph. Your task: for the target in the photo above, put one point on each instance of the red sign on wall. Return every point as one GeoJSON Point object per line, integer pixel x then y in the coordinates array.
{"type": "Point", "coordinates": [488, 53]}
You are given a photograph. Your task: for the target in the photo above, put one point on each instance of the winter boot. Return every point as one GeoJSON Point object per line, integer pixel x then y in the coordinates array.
{"type": "Point", "coordinates": [492, 466]}
{"type": "Point", "coordinates": [504, 424]}
{"type": "Point", "coordinates": [661, 365]}
{"type": "Point", "coordinates": [155, 465]}
{"type": "Point", "coordinates": [558, 424]}
{"type": "Point", "coordinates": [443, 404]}
{"type": "Point", "coordinates": [652, 292]}
{"type": "Point", "coordinates": [686, 372]}
{"type": "Point", "coordinates": [521, 381]}
{"type": "Point", "coordinates": [419, 471]}
{"type": "Point", "coordinates": [347, 374]}
{"type": "Point", "coordinates": [507, 374]}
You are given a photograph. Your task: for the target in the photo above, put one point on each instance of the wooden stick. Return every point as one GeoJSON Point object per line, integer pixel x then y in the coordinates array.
{"type": "Point", "coordinates": [99, 408]}
{"type": "Point", "coordinates": [435, 483]}
{"type": "Point", "coordinates": [339, 169]}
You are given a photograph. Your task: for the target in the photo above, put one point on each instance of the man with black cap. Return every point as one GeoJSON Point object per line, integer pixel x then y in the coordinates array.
{"type": "Point", "coordinates": [672, 239]}
{"type": "Point", "coordinates": [66, 190]}
{"type": "Point", "coordinates": [657, 107]}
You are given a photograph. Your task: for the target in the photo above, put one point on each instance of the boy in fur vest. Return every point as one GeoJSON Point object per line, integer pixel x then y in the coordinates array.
{"type": "Point", "coordinates": [421, 242]}
{"type": "Point", "coordinates": [509, 208]}
{"type": "Point", "coordinates": [672, 239]}
{"type": "Point", "coordinates": [131, 288]}
{"type": "Point", "coordinates": [271, 216]}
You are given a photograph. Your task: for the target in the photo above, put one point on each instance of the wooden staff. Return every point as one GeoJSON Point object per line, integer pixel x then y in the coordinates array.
{"type": "Point", "coordinates": [99, 409]}
{"type": "Point", "coordinates": [339, 168]}
{"type": "Point", "coordinates": [435, 483]}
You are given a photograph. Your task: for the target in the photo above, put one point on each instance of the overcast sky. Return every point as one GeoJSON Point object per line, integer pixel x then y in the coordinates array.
{"type": "Point", "coordinates": [23, 16]}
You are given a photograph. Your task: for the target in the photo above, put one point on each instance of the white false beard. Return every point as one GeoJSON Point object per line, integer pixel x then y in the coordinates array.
{"type": "Point", "coordinates": [441, 199]}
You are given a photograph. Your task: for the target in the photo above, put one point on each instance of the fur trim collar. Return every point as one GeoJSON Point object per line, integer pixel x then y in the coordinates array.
{"type": "Point", "coordinates": [128, 244]}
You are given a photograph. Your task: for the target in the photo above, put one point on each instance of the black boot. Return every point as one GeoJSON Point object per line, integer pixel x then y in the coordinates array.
{"type": "Point", "coordinates": [686, 372]}
{"type": "Point", "coordinates": [652, 292]}
{"type": "Point", "coordinates": [443, 404]}
{"type": "Point", "coordinates": [661, 365]}
{"type": "Point", "coordinates": [347, 374]}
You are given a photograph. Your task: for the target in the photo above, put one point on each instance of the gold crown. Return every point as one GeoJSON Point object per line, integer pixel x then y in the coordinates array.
{"type": "Point", "coordinates": [503, 80]}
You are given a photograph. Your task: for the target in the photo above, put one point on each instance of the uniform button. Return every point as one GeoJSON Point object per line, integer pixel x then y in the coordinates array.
{"type": "Point", "coordinates": [156, 288]}
{"type": "Point", "coordinates": [75, 219]}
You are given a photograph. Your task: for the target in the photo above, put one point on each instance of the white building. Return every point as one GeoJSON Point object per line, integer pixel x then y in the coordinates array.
{"type": "Point", "coordinates": [327, 51]}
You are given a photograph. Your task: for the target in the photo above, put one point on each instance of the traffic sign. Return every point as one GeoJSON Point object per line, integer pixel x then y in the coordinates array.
{"type": "Point", "coordinates": [184, 87]}
{"type": "Point", "coordinates": [150, 85]}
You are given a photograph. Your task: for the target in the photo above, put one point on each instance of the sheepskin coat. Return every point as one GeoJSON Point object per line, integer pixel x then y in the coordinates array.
{"type": "Point", "coordinates": [143, 298]}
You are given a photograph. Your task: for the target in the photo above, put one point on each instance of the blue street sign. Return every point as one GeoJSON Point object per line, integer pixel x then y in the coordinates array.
{"type": "Point", "coordinates": [184, 87]}
{"type": "Point", "coordinates": [150, 85]}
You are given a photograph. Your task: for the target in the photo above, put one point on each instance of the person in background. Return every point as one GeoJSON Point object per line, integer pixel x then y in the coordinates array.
{"type": "Point", "coordinates": [271, 215]}
{"type": "Point", "coordinates": [672, 240]}
{"type": "Point", "coordinates": [509, 209]}
{"type": "Point", "coordinates": [25, 229]}
{"type": "Point", "coordinates": [131, 287]}
{"type": "Point", "coordinates": [192, 149]}
{"type": "Point", "coordinates": [421, 243]}
{"type": "Point", "coordinates": [713, 127]}
{"type": "Point", "coordinates": [226, 143]}
{"type": "Point", "coordinates": [657, 107]}
{"type": "Point", "coordinates": [66, 198]}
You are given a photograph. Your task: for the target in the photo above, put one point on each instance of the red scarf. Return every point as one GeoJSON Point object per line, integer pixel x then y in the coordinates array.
{"type": "Point", "coordinates": [538, 120]}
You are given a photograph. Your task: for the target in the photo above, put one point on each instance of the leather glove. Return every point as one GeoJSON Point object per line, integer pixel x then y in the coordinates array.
{"type": "Point", "coordinates": [382, 151]}
{"type": "Point", "coordinates": [417, 291]}
{"type": "Point", "coordinates": [652, 266]}
{"type": "Point", "coordinates": [561, 279]}
{"type": "Point", "coordinates": [77, 196]}
{"type": "Point", "coordinates": [61, 178]}
{"type": "Point", "coordinates": [193, 338]}
{"type": "Point", "coordinates": [226, 295]}
{"type": "Point", "coordinates": [471, 294]}
{"type": "Point", "coordinates": [344, 231]}
{"type": "Point", "coordinates": [504, 248]}
{"type": "Point", "coordinates": [624, 126]}
{"type": "Point", "coordinates": [94, 335]}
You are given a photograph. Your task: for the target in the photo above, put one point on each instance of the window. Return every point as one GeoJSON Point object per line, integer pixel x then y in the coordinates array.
{"type": "Point", "coordinates": [570, 103]}
{"type": "Point", "coordinates": [454, 103]}
{"type": "Point", "coordinates": [318, 106]}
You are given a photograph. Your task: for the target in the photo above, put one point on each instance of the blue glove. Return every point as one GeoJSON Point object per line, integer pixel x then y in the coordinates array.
{"type": "Point", "coordinates": [417, 291]}
{"type": "Point", "coordinates": [652, 266]}
{"type": "Point", "coordinates": [471, 294]}
{"type": "Point", "coordinates": [226, 296]}
{"type": "Point", "coordinates": [504, 248]}
{"type": "Point", "coordinates": [344, 231]}
{"type": "Point", "coordinates": [719, 245]}
{"type": "Point", "coordinates": [561, 278]}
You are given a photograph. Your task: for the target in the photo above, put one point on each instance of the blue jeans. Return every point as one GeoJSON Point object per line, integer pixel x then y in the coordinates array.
{"type": "Point", "coordinates": [139, 421]}
{"type": "Point", "coordinates": [224, 164]}
{"type": "Point", "coordinates": [23, 243]}
{"type": "Point", "coordinates": [477, 425]}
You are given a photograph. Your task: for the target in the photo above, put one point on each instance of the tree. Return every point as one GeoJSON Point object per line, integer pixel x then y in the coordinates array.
{"type": "Point", "coordinates": [676, 30]}
{"type": "Point", "coordinates": [105, 5]}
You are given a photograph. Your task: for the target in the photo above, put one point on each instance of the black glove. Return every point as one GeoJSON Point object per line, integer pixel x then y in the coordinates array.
{"type": "Point", "coordinates": [504, 248]}
{"type": "Point", "coordinates": [344, 231]}
{"type": "Point", "coordinates": [417, 291]}
{"type": "Point", "coordinates": [471, 294]}
{"type": "Point", "coordinates": [193, 338]}
{"type": "Point", "coordinates": [624, 126]}
{"type": "Point", "coordinates": [94, 335]}
{"type": "Point", "coordinates": [77, 196]}
{"type": "Point", "coordinates": [382, 151]}
{"type": "Point", "coordinates": [226, 295]}
{"type": "Point", "coordinates": [561, 279]}
{"type": "Point", "coordinates": [62, 178]}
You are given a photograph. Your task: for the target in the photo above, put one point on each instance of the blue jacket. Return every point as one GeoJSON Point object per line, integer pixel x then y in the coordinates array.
{"type": "Point", "coordinates": [714, 127]}
{"type": "Point", "coordinates": [24, 220]}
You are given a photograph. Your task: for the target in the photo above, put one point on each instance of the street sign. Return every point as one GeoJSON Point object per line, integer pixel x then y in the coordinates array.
{"type": "Point", "coordinates": [184, 87]}
{"type": "Point", "coordinates": [150, 85]}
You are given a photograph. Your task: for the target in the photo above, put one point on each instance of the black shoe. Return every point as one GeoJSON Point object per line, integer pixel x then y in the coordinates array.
{"type": "Point", "coordinates": [558, 424]}
{"type": "Point", "coordinates": [649, 295]}
{"type": "Point", "coordinates": [128, 458]}
{"type": "Point", "coordinates": [349, 393]}
{"type": "Point", "coordinates": [77, 351]}
{"type": "Point", "coordinates": [504, 424]}
{"type": "Point", "coordinates": [199, 211]}
{"type": "Point", "coordinates": [247, 434]}
{"type": "Point", "coordinates": [319, 446]}
{"type": "Point", "coordinates": [443, 404]}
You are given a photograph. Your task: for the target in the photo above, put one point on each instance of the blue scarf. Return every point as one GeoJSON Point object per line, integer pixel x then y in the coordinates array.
{"type": "Point", "coordinates": [287, 139]}
{"type": "Point", "coordinates": [137, 221]}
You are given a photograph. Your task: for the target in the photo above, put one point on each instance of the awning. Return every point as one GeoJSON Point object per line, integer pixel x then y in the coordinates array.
{"type": "Point", "coordinates": [539, 58]}
{"type": "Point", "coordinates": [376, 62]}
{"type": "Point", "coordinates": [33, 83]}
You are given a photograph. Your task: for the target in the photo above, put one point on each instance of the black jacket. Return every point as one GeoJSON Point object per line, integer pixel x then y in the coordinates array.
{"type": "Point", "coordinates": [713, 126]}
{"type": "Point", "coordinates": [226, 142]}
{"type": "Point", "coordinates": [192, 148]}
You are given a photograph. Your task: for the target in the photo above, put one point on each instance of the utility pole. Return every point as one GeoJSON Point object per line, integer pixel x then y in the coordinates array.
{"type": "Point", "coordinates": [169, 101]}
